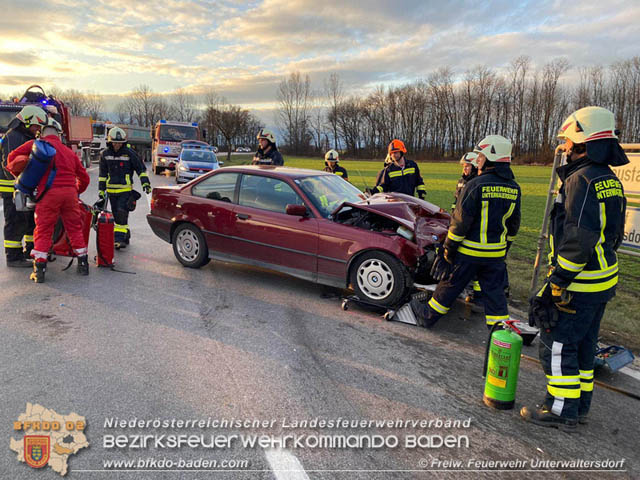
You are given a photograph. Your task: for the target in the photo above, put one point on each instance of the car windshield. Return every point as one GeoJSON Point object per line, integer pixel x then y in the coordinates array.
{"type": "Point", "coordinates": [98, 129]}
{"type": "Point", "coordinates": [178, 133]}
{"type": "Point", "coordinates": [5, 118]}
{"type": "Point", "coordinates": [328, 192]}
{"type": "Point", "coordinates": [205, 156]}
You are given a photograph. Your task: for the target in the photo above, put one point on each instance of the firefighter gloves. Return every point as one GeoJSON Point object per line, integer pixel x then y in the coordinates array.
{"type": "Point", "coordinates": [441, 268]}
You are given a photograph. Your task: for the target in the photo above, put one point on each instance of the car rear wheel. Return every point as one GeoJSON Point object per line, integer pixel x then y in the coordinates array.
{"type": "Point", "coordinates": [379, 278]}
{"type": "Point", "coordinates": [189, 246]}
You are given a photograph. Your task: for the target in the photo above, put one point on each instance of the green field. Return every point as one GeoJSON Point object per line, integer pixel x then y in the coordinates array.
{"type": "Point", "coordinates": [622, 319]}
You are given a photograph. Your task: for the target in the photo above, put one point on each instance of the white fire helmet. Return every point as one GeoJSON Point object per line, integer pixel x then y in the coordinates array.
{"type": "Point", "coordinates": [331, 156]}
{"type": "Point", "coordinates": [117, 135]}
{"type": "Point", "coordinates": [267, 134]}
{"type": "Point", "coordinates": [496, 148]}
{"type": "Point", "coordinates": [470, 158]}
{"type": "Point", "coordinates": [32, 115]}
{"type": "Point", "coordinates": [588, 124]}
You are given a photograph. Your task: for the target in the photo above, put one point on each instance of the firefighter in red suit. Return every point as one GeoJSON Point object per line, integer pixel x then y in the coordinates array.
{"type": "Point", "coordinates": [60, 200]}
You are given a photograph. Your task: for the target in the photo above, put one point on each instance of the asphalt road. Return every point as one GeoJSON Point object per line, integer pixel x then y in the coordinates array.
{"type": "Point", "coordinates": [229, 341]}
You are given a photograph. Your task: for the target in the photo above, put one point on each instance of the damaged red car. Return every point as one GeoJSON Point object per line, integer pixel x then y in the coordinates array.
{"type": "Point", "coordinates": [306, 223]}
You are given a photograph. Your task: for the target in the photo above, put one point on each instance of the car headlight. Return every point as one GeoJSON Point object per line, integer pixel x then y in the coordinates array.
{"type": "Point", "coordinates": [163, 160]}
{"type": "Point", "coordinates": [182, 168]}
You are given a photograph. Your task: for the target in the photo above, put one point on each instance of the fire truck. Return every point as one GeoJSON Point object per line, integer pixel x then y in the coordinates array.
{"type": "Point", "coordinates": [167, 136]}
{"type": "Point", "coordinates": [76, 131]}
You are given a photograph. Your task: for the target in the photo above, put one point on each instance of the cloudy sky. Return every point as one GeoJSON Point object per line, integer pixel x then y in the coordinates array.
{"type": "Point", "coordinates": [243, 49]}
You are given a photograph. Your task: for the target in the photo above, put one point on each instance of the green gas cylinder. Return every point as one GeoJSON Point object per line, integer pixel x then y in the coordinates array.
{"type": "Point", "coordinates": [502, 367]}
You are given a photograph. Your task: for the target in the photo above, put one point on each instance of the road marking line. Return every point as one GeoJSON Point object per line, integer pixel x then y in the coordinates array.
{"type": "Point", "coordinates": [285, 465]}
{"type": "Point", "coordinates": [632, 373]}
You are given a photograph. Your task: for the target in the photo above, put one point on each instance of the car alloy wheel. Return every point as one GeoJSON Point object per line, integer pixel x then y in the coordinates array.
{"type": "Point", "coordinates": [188, 245]}
{"type": "Point", "coordinates": [375, 279]}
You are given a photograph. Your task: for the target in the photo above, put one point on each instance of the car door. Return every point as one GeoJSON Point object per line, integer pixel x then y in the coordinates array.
{"type": "Point", "coordinates": [210, 206]}
{"type": "Point", "coordinates": [264, 233]}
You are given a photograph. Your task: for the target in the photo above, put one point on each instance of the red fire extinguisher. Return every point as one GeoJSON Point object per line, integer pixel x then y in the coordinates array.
{"type": "Point", "coordinates": [105, 239]}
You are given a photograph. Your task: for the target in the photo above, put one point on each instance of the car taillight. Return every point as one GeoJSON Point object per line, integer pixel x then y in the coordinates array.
{"type": "Point", "coordinates": [152, 202]}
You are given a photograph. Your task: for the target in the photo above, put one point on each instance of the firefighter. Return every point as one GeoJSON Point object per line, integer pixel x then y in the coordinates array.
{"type": "Point", "coordinates": [587, 224]}
{"type": "Point", "coordinates": [117, 166]}
{"type": "Point", "coordinates": [387, 162]}
{"type": "Point", "coordinates": [469, 162]}
{"type": "Point", "coordinates": [331, 159]}
{"type": "Point", "coordinates": [267, 153]}
{"type": "Point", "coordinates": [18, 226]}
{"type": "Point", "coordinates": [401, 175]}
{"type": "Point", "coordinates": [483, 226]}
{"type": "Point", "coordinates": [57, 200]}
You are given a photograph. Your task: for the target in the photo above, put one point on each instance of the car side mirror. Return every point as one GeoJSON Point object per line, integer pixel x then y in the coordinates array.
{"type": "Point", "coordinates": [297, 210]}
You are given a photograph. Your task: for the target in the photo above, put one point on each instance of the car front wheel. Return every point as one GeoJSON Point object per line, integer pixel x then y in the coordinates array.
{"type": "Point", "coordinates": [189, 246]}
{"type": "Point", "coordinates": [379, 278]}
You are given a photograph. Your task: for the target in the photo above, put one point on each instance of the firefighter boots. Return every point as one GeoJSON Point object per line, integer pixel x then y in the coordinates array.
{"type": "Point", "coordinates": [38, 271]}
{"type": "Point", "coordinates": [543, 417]}
{"type": "Point", "coordinates": [83, 265]}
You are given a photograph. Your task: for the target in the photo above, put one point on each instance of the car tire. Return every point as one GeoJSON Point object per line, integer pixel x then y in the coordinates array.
{"type": "Point", "coordinates": [379, 278]}
{"type": "Point", "coordinates": [190, 246]}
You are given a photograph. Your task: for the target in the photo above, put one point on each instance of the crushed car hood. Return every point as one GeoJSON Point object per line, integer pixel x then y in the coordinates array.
{"type": "Point", "coordinates": [428, 221]}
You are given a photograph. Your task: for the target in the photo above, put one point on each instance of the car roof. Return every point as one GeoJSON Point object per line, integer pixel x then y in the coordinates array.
{"type": "Point", "coordinates": [270, 170]}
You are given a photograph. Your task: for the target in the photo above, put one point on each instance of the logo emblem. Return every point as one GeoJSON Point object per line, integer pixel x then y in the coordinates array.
{"type": "Point", "coordinates": [36, 450]}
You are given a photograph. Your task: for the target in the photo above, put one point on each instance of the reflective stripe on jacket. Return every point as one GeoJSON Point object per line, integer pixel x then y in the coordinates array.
{"type": "Point", "coordinates": [587, 227]}
{"type": "Point", "coordinates": [401, 180]}
{"type": "Point", "coordinates": [487, 215]}
{"type": "Point", "coordinates": [117, 169]}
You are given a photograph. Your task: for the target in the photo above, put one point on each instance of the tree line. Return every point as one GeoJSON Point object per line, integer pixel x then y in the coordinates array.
{"type": "Point", "coordinates": [441, 116]}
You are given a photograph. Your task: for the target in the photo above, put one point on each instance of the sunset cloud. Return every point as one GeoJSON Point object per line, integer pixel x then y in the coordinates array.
{"type": "Point", "coordinates": [243, 50]}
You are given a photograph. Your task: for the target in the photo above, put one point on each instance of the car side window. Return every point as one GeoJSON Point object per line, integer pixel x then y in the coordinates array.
{"type": "Point", "coordinates": [267, 193]}
{"type": "Point", "coordinates": [217, 187]}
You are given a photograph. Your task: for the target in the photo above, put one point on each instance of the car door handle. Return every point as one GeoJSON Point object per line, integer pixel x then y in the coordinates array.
{"type": "Point", "coordinates": [242, 216]}
{"type": "Point", "coordinates": [211, 214]}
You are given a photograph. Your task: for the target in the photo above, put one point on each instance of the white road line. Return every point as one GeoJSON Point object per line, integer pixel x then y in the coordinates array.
{"type": "Point", "coordinates": [285, 465]}
{"type": "Point", "coordinates": [632, 373]}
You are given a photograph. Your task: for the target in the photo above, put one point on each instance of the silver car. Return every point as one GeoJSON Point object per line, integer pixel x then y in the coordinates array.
{"type": "Point", "coordinates": [195, 162]}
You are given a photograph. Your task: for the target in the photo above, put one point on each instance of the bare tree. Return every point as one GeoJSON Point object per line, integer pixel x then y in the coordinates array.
{"type": "Point", "coordinates": [317, 122]}
{"type": "Point", "coordinates": [294, 95]}
{"type": "Point", "coordinates": [123, 115]}
{"type": "Point", "coordinates": [334, 92]}
{"type": "Point", "coordinates": [94, 104]}
{"type": "Point", "coordinates": [183, 104]}
{"type": "Point", "coordinates": [232, 122]}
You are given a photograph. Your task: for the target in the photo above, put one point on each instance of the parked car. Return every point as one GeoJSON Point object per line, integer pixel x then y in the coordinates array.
{"type": "Point", "coordinates": [195, 161]}
{"type": "Point", "coordinates": [306, 223]}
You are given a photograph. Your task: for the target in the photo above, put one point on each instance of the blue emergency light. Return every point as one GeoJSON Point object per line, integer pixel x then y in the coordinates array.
{"type": "Point", "coordinates": [166, 150]}
{"type": "Point", "coordinates": [163, 121]}
{"type": "Point", "coordinates": [195, 124]}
